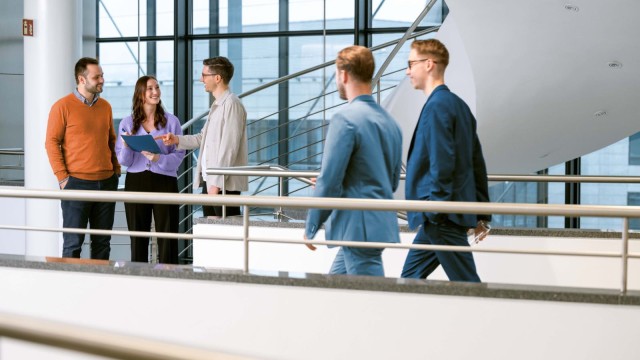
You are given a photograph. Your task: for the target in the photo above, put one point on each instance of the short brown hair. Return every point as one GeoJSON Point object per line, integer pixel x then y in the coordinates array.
{"type": "Point", "coordinates": [81, 66]}
{"type": "Point", "coordinates": [220, 65]}
{"type": "Point", "coordinates": [432, 48]}
{"type": "Point", "coordinates": [358, 62]}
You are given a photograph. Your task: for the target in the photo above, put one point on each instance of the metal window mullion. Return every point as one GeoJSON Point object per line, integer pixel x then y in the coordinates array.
{"type": "Point", "coordinates": [283, 88]}
{"type": "Point", "coordinates": [182, 101]}
{"type": "Point", "coordinates": [362, 18]}
{"type": "Point", "coordinates": [625, 254]}
{"type": "Point", "coordinates": [214, 27]}
{"type": "Point", "coordinates": [542, 194]}
{"type": "Point", "coordinates": [234, 48]}
{"type": "Point", "coordinates": [152, 61]}
{"type": "Point", "coordinates": [572, 193]}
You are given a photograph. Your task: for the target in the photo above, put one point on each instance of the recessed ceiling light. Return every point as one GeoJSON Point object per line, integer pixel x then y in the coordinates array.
{"type": "Point", "coordinates": [614, 65]}
{"type": "Point", "coordinates": [571, 7]}
{"type": "Point", "coordinates": [600, 113]}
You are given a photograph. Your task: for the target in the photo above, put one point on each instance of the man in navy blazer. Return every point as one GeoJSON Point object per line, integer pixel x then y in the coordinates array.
{"type": "Point", "coordinates": [362, 159]}
{"type": "Point", "coordinates": [445, 163]}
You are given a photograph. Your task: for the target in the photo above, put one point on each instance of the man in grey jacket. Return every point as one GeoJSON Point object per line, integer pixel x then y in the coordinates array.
{"type": "Point", "coordinates": [223, 139]}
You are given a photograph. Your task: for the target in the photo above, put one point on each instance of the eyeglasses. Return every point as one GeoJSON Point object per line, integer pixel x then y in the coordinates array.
{"type": "Point", "coordinates": [205, 75]}
{"type": "Point", "coordinates": [411, 62]}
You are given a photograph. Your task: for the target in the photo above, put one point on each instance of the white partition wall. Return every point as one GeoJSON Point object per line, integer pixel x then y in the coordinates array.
{"type": "Point", "coordinates": [290, 322]}
{"type": "Point", "coordinates": [550, 270]}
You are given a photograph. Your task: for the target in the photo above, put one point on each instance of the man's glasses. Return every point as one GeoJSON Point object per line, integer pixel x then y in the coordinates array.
{"type": "Point", "coordinates": [204, 75]}
{"type": "Point", "coordinates": [411, 62]}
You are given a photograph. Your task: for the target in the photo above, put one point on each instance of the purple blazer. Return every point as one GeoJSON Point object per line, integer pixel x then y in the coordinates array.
{"type": "Point", "coordinates": [170, 157]}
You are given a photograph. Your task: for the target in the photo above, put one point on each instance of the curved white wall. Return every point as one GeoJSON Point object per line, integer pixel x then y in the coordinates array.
{"type": "Point", "coordinates": [540, 73]}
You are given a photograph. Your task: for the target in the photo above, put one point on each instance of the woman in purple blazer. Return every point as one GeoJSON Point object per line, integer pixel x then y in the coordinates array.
{"type": "Point", "coordinates": [151, 172]}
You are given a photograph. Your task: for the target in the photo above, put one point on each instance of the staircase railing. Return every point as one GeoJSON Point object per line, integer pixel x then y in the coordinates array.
{"type": "Point", "coordinates": [264, 186]}
{"type": "Point", "coordinates": [308, 149]}
{"type": "Point", "coordinates": [623, 212]}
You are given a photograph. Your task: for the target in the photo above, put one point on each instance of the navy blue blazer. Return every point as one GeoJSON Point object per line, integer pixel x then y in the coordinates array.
{"type": "Point", "coordinates": [445, 161]}
{"type": "Point", "coordinates": [362, 159]}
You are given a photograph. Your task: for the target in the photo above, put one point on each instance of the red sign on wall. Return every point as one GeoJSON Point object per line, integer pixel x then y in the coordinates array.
{"type": "Point", "coordinates": [27, 27]}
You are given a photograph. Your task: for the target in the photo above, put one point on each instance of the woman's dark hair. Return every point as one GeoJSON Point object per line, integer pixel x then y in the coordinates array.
{"type": "Point", "coordinates": [139, 116]}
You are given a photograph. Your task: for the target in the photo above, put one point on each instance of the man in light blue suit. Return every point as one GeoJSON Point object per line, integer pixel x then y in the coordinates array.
{"type": "Point", "coordinates": [445, 163]}
{"type": "Point", "coordinates": [362, 159]}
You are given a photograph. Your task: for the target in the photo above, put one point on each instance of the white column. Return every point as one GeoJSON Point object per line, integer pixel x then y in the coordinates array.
{"type": "Point", "coordinates": [49, 59]}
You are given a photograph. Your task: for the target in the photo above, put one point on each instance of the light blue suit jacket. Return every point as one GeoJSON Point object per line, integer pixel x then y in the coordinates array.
{"type": "Point", "coordinates": [445, 161]}
{"type": "Point", "coordinates": [362, 159]}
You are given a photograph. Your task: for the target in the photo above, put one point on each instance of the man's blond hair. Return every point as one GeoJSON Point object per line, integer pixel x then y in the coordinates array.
{"type": "Point", "coordinates": [358, 62]}
{"type": "Point", "coordinates": [432, 49]}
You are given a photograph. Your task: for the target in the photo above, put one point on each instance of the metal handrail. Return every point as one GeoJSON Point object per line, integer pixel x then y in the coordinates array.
{"type": "Point", "coordinates": [281, 171]}
{"type": "Point", "coordinates": [456, 207]}
{"type": "Point", "coordinates": [331, 62]}
{"type": "Point", "coordinates": [188, 124]}
{"type": "Point", "coordinates": [261, 168]}
{"type": "Point", "coordinates": [99, 342]}
{"type": "Point", "coordinates": [12, 151]}
{"type": "Point", "coordinates": [624, 212]}
{"type": "Point", "coordinates": [568, 178]}
{"type": "Point", "coordinates": [305, 176]}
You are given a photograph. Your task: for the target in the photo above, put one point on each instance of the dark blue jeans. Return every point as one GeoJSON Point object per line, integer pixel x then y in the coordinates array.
{"type": "Point", "coordinates": [99, 215]}
{"type": "Point", "coordinates": [459, 266]}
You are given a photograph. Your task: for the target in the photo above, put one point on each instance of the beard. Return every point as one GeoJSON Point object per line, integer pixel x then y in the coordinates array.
{"type": "Point", "coordinates": [93, 89]}
{"type": "Point", "coordinates": [342, 92]}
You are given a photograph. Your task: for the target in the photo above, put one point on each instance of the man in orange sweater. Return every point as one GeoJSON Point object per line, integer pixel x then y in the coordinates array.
{"type": "Point", "coordinates": [80, 144]}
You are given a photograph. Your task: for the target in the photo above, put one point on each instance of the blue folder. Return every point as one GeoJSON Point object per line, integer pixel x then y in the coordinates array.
{"type": "Point", "coordinates": [141, 143]}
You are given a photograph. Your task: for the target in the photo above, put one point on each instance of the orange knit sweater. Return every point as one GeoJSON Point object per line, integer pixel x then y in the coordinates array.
{"type": "Point", "coordinates": [81, 140]}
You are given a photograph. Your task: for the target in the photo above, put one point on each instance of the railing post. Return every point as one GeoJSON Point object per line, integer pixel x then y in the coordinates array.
{"type": "Point", "coordinates": [379, 90]}
{"type": "Point", "coordinates": [224, 190]}
{"type": "Point", "coordinates": [625, 253]}
{"type": "Point", "coordinates": [280, 194]}
{"type": "Point", "coordinates": [245, 237]}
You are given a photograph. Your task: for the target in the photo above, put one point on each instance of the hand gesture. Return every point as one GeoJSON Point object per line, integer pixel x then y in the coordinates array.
{"type": "Point", "coordinates": [168, 139]}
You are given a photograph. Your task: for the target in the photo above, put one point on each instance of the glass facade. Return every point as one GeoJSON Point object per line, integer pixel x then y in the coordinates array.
{"type": "Point", "coordinates": [265, 40]}
{"type": "Point", "coordinates": [268, 39]}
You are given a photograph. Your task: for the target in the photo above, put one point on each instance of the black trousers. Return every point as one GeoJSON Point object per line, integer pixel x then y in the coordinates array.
{"type": "Point", "coordinates": [217, 210]}
{"type": "Point", "coordinates": [165, 216]}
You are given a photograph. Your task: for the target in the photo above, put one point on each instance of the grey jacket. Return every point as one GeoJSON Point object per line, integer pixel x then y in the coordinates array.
{"type": "Point", "coordinates": [224, 136]}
